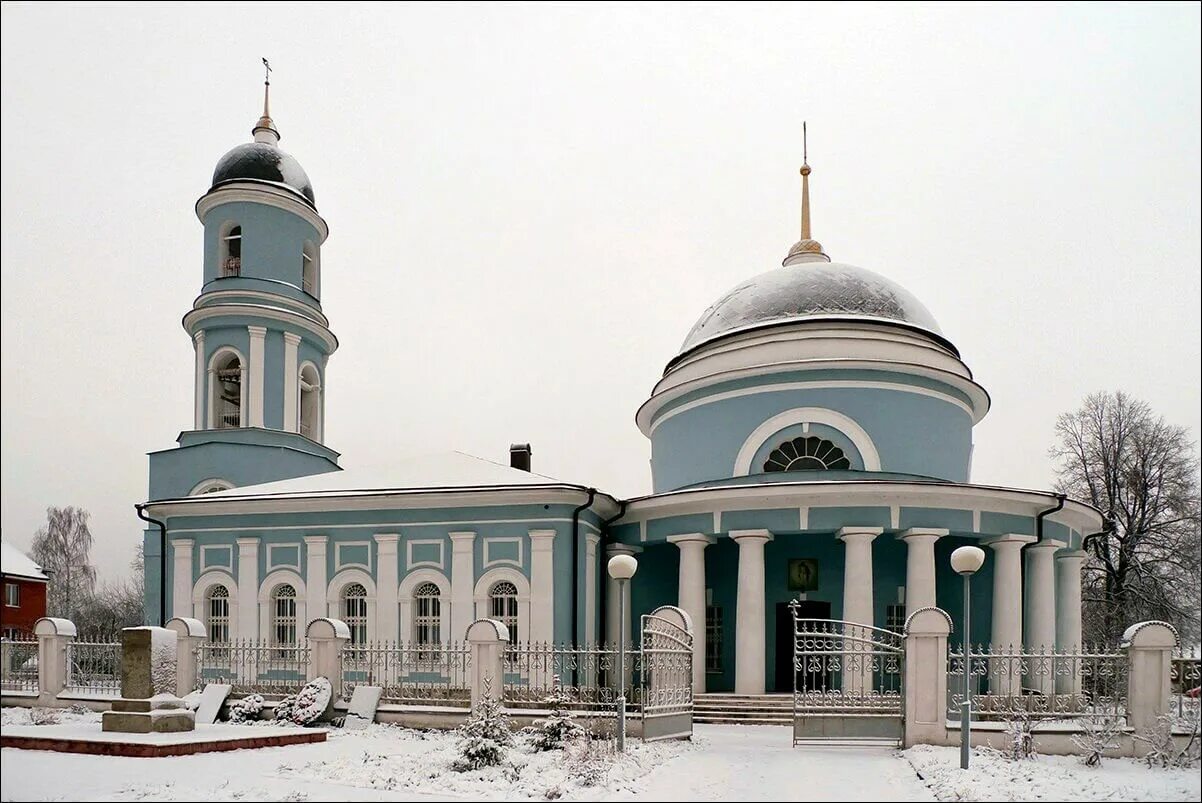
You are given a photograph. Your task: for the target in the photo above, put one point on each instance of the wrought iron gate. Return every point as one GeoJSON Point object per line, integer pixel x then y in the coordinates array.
{"type": "Point", "coordinates": [847, 681]}
{"type": "Point", "coordinates": [666, 674]}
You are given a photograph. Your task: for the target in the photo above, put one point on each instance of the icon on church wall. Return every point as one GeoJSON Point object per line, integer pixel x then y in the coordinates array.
{"type": "Point", "coordinates": [803, 574]}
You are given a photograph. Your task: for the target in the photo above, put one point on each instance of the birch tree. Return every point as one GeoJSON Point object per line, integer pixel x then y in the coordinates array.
{"type": "Point", "coordinates": [63, 548]}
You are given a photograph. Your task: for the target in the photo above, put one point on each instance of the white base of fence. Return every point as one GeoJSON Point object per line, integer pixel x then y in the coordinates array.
{"type": "Point", "coordinates": [1050, 740]}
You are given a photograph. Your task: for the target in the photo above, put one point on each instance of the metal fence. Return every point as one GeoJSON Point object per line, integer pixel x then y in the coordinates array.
{"type": "Point", "coordinates": [586, 675]}
{"type": "Point", "coordinates": [19, 665]}
{"type": "Point", "coordinates": [253, 666]}
{"type": "Point", "coordinates": [1039, 684]}
{"type": "Point", "coordinates": [409, 673]}
{"type": "Point", "coordinates": [1185, 677]}
{"type": "Point", "coordinates": [93, 669]}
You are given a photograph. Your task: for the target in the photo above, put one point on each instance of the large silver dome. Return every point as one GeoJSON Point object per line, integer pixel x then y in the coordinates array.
{"type": "Point", "coordinates": [810, 290]}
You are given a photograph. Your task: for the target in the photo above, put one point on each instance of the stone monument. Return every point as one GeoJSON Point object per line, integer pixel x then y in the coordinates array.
{"type": "Point", "coordinates": [148, 702]}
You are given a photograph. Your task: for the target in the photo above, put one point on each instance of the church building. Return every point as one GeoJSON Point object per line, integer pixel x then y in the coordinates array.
{"type": "Point", "coordinates": [811, 440]}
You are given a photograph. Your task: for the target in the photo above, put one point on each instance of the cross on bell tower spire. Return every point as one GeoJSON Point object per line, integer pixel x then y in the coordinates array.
{"type": "Point", "coordinates": [265, 130]}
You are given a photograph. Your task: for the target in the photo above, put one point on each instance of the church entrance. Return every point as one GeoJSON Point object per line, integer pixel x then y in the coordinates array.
{"type": "Point", "coordinates": [807, 609]}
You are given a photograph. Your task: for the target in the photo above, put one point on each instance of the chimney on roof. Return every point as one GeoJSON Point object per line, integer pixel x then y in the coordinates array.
{"type": "Point", "coordinates": [519, 456]}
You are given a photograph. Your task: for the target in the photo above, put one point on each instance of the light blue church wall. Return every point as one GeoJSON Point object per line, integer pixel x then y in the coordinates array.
{"type": "Point", "coordinates": [272, 243]}
{"type": "Point", "coordinates": [256, 457]}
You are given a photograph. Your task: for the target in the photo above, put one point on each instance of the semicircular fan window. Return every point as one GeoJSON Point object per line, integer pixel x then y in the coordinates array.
{"type": "Point", "coordinates": [806, 454]}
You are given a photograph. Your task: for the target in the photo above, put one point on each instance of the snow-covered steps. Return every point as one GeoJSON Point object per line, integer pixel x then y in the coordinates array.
{"type": "Point", "coordinates": [743, 709]}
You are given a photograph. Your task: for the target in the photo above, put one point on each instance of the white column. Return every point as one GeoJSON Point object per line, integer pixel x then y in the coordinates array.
{"type": "Point", "coordinates": [749, 610]}
{"type": "Point", "coordinates": [920, 567]}
{"type": "Point", "coordinates": [1005, 677]}
{"type": "Point", "coordinates": [291, 383]}
{"type": "Point", "coordinates": [198, 341]}
{"type": "Point", "coordinates": [463, 582]}
{"type": "Point", "coordinates": [181, 582]}
{"type": "Point", "coordinates": [258, 335]}
{"type": "Point", "coordinates": [1039, 617]}
{"type": "Point", "coordinates": [856, 676]}
{"type": "Point", "coordinates": [590, 586]}
{"type": "Point", "coordinates": [315, 575]}
{"type": "Point", "coordinates": [691, 595]}
{"type": "Point", "coordinates": [542, 586]}
{"type": "Point", "coordinates": [386, 586]}
{"type": "Point", "coordinates": [1068, 612]}
{"type": "Point", "coordinates": [611, 596]}
{"type": "Point", "coordinates": [248, 587]}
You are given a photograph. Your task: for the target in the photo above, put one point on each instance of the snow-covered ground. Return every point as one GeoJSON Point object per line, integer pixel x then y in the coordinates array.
{"type": "Point", "coordinates": [724, 762]}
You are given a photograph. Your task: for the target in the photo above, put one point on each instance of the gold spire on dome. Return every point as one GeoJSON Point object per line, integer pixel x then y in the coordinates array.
{"type": "Point", "coordinates": [265, 130]}
{"type": "Point", "coordinates": [805, 249]}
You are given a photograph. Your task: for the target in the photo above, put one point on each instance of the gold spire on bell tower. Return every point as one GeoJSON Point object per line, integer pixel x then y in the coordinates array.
{"type": "Point", "coordinates": [265, 130]}
{"type": "Point", "coordinates": [806, 249]}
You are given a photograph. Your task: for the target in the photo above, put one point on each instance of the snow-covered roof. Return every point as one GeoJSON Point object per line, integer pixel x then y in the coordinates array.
{"type": "Point", "coordinates": [15, 563]}
{"type": "Point", "coordinates": [443, 471]}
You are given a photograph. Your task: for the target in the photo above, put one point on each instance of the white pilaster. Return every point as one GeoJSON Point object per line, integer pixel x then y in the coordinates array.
{"type": "Point", "coordinates": [258, 335]}
{"type": "Point", "coordinates": [181, 582]}
{"type": "Point", "coordinates": [386, 586]}
{"type": "Point", "coordinates": [248, 587]}
{"type": "Point", "coordinates": [691, 595]}
{"type": "Point", "coordinates": [315, 575]}
{"type": "Point", "coordinates": [1068, 611]}
{"type": "Point", "coordinates": [463, 580]}
{"type": "Point", "coordinates": [920, 566]}
{"type": "Point", "coordinates": [542, 586]}
{"type": "Point", "coordinates": [857, 602]}
{"type": "Point", "coordinates": [292, 383]}
{"type": "Point", "coordinates": [198, 340]}
{"type": "Point", "coordinates": [1039, 618]}
{"type": "Point", "coordinates": [749, 610]}
{"type": "Point", "coordinates": [611, 596]}
{"type": "Point", "coordinates": [590, 587]}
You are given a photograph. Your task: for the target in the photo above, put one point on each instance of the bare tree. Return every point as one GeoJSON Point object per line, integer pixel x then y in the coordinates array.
{"type": "Point", "coordinates": [113, 605]}
{"type": "Point", "coordinates": [1142, 473]}
{"type": "Point", "coordinates": [63, 548]}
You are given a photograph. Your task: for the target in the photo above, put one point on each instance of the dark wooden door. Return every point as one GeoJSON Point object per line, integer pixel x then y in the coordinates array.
{"type": "Point", "coordinates": [807, 609]}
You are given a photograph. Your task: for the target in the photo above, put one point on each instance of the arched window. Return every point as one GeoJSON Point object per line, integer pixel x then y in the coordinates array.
{"type": "Point", "coordinates": [427, 614]}
{"type": "Point", "coordinates": [217, 614]}
{"type": "Point", "coordinates": [806, 453]}
{"type": "Point", "coordinates": [309, 268]}
{"type": "Point", "coordinates": [354, 611]}
{"type": "Point", "coordinates": [283, 616]}
{"type": "Point", "coordinates": [310, 402]}
{"type": "Point", "coordinates": [231, 252]}
{"type": "Point", "coordinates": [227, 391]}
{"type": "Point", "coordinates": [503, 606]}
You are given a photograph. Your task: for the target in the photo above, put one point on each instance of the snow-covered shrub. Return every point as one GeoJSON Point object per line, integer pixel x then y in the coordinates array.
{"type": "Point", "coordinates": [484, 737]}
{"type": "Point", "coordinates": [1020, 740]}
{"type": "Point", "coordinates": [79, 709]}
{"type": "Point", "coordinates": [43, 716]}
{"type": "Point", "coordinates": [589, 759]}
{"type": "Point", "coordinates": [246, 710]}
{"type": "Point", "coordinates": [312, 701]}
{"type": "Point", "coordinates": [283, 709]}
{"type": "Point", "coordinates": [1163, 750]}
{"type": "Point", "coordinates": [1098, 734]}
{"type": "Point", "coordinates": [191, 700]}
{"type": "Point", "coordinates": [556, 730]}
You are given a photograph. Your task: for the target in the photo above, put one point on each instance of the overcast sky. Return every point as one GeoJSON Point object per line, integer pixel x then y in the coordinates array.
{"type": "Point", "coordinates": [530, 206]}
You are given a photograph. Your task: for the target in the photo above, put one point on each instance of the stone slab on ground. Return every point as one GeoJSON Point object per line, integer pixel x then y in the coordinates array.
{"type": "Point", "coordinates": [211, 700]}
{"type": "Point", "coordinates": [361, 711]}
{"type": "Point", "coordinates": [205, 739]}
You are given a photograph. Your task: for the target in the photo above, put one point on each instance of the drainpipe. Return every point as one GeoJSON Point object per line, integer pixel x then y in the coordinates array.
{"type": "Point", "coordinates": [592, 494]}
{"type": "Point", "coordinates": [1060, 498]}
{"type": "Point", "coordinates": [162, 562]}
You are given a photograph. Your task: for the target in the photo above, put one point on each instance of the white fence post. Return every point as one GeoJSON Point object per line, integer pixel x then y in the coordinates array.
{"type": "Point", "coordinates": [327, 637]}
{"type": "Point", "coordinates": [487, 639]}
{"type": "Point", "coordinates": [189, 633]}
{"type": "Point", "coordinates": [927, 630]}
{"type": "Point", "coordinates": [54, 638]}
{"type": "Point", "coordinates": [1149, 663]}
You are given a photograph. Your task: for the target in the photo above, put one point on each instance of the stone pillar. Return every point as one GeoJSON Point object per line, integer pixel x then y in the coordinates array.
{"type": "Point", "coordinates": [386, 586]}
{"type": "Point", "coordinates": [920, 566]}
{"type": "Point", "coordinates": [189, 635]}
{"type": "Point", "coordinates": [248, 588]}
{"type": "Point", "coordinates": [1005, 676]}
{"type": "Point", "coordinates": [611, 596]}
{"type": "Point", "coordinates": [691, 590]}
{"type": "Point", "coordinates": [590, 586]}
{"type": "Point", "coordinates": [181, 579]}
{"type": "Point", "coordinates": [1149, 655]}
{"type": "Point", "coordinates": [149, 679]}
{"type": "Point", "coordinates": [486, 639]}
{"type": "Point", "coordinates": [749, 611]}
{"type": "Point", "coordinates": [856, 677]}
{"type": "Point", "coordinates": [292, 384]}
{"type": "Point", "coordinates": [315, 575]}
{"type": "Point", "coordinates": [542, 586]}
{"type": "Point", "coordinates": [326, 638]}
{"type": "Point", "coordinates": [1039, 618]}
{"type": "Point", "coordinates": [258, 335]}
{"type": "Point", "coordinates": [198, 341]}
{"type": "Point", "coordinates": [54, 639]}
{"type": "Point", "coordinates": [463, 583]}
{"type": "Point", "coordinates": [1068, 614]}
{"type": "Point", "coordinates": [926, 677]}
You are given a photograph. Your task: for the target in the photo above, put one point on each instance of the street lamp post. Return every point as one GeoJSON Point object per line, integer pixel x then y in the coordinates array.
{"type": "Point", "coordinates": [966, 560]}
{"type": "Point", "coordinates": [622, 568]}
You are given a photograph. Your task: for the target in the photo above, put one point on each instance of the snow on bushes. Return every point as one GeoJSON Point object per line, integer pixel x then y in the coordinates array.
{"type": "Point", "coordinates": [312, 701]}
{"type": "Point", "coordinates": [483, 739]}
{"type": "Point", "coordinates": [1163, 750]}
{"type": "Point", "coordinates": [561, 727]}
{"type": "Point", "coordinates": [1097, 735]}
{"type": "Point", "coordinates": [246, 710]}
{"type": "Point", "coordinates": [284, 708]}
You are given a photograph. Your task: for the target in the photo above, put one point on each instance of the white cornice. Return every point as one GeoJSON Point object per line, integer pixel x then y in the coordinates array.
{"type": "Point", "coordinates": [197, 316]}
{"type": "Point", "coordinates": [255, 193]}
{"type": "Point", "coordinates": [299, 307]}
